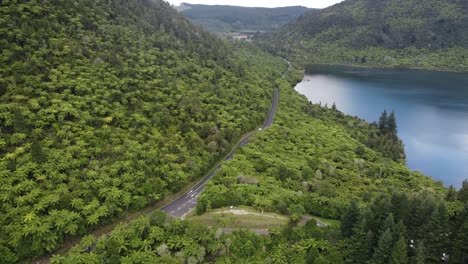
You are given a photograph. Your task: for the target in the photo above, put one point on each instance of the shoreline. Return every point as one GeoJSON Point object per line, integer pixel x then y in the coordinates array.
{"type": "Point", "coordinates": [381, 67]}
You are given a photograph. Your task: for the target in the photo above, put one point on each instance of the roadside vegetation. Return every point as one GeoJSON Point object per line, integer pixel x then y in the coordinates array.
{"type": "Point", "coordinates": [108, 107]}
{"type": "Point", "coordinates": [388, 214]}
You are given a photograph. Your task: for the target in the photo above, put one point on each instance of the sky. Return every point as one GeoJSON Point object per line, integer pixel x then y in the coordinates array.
{"type": "Point", "coordinates": [261, 3]}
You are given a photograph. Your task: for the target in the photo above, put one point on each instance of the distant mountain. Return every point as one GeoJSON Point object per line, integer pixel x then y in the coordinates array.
{"type": "Point", "coordinates": [221, 18]}
{"type": "Point", "coordinates": [426, 26]}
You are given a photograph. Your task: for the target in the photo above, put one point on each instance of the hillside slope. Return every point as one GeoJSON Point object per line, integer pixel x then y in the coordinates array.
{"type": "Point", "coordinates": [108, 106]}
{"type": "Point", "coordinates": [312, 160]}
{"type": "Point", "coordinates": [221, 18]}
{"type": "Point", "coordinates": [430, 34]}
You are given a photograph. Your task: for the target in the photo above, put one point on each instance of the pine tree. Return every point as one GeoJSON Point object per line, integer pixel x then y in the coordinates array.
{"type": "Point", "coordinates": [391, 124]}
{"type": "Point", "coordinates": [463, 192]}
{"type": "Point", "coordinates": [420, 254]}
{"type": "Point", "coordinates": [436, 232]}
{"type": "Point", "coordinates": [398, 231]}
{"type": "Point", "coordinates": [357, 247]}
{"type": "Point", "coordinates": [378, 214]}
{"type": "Point", "coordinates": [460, 245]}
{"type": "Point", "coordinates": [399, 252]}
{"type": "Point", "coordinates": [400, 208]}
{"type": "Point", "coordinates": [383, 121]}
{"type": "Point", "coordinates": [388, 224]}
{"type": "Point", "coordinates": [384, 248]}
{"type": "Point", "coordinates": [349, 220]}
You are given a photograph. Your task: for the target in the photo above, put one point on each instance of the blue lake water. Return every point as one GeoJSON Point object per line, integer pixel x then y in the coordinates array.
{"type": "Point", "coordinates": [431, 110]}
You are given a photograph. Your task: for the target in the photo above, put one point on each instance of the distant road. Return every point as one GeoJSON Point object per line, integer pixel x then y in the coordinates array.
{"type": "Point", "coordinates": [188, 201]}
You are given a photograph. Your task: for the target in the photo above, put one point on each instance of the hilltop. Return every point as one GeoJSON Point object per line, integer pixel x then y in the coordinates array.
{"type": "Point", "coordinates": [431, 34]}
{"type": "Point", "coordinates": [225, 19]}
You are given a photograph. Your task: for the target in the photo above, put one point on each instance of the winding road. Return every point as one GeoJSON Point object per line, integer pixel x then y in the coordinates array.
{"type": "Point", "coordinates": [188, 201]}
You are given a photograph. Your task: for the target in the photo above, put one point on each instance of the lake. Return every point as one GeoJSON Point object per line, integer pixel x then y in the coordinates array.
{"type": "Point", "coordinates": [431, 110]}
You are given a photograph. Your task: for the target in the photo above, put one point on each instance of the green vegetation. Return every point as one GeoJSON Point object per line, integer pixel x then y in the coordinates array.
{"type": "Point", "coordinates": [240, 217]}
{"type": "Point", "coordinates": [391, 205]}
{"type": "Point", "coordinates": [159, 239]}
{"type": "Point", "coordinates": [392, 33]}
{"type": "Point", "coordinates": [317, 160]}
{"type": "Point", "coordinates": [225, 19]}
{"type": "Point", "coordinates": [313, 156]}
{"type": "Point", "coordinates": [108, 106]}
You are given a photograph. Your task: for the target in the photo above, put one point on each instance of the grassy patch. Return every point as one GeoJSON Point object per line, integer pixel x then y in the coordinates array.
{"type": "Point", "coordinates": [329, 222]}
{"type": "Point", "coordinates": [240, 217]}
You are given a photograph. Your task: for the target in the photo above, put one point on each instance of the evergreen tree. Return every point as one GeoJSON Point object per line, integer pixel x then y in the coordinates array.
{"type": "Point", "coordinates": [400, 252]}
{"type": "Point", "coordinates": [463, 192]}
{"type": "Point", "coordinates": [357, 247]}
{"type": "Point", "coordinates": [398, 231]}
{"type": "Point", "coordinates": [460, 245]}
{"type": "Point", "coordinates": [391, 124]}
{"type": "Point", "coordinates": [349, 219]}
{"type": "Point", "coordinates": [451, 194]}
{"type": "Point", "coordinates": [378, 214]}
{"type": "Point", "coordinates": [388, 224]}
{"type": "Point", "coordinates": [420, 257]}
{"type": "Point", "coordinates": [436, 233]}
{"type": "Point", "coordinates": [400, 208]}
{"type": "Point", "coordinates": [383, 121]}
{"type": "Point", "coordinates": [384, 249]}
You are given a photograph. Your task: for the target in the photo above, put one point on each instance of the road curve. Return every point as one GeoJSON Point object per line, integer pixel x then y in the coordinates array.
{"type": "Point", "coordinates": [188, 201]}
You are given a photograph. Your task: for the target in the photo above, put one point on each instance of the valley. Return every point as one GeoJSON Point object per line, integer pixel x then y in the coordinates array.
{"type": "Point", "coordinates": [130, 134]}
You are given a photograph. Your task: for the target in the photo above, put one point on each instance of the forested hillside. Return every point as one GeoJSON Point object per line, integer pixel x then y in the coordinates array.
{"type": "Point", "coordinates": [219, 18]}
{"type": "Point", "coordinates": [430, 34]}
{"type": "Point", "coordinates": [108, 106]}
{"type": "Point", "coordinates": [313, 160]}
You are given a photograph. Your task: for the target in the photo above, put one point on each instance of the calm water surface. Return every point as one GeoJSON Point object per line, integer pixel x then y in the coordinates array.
{"type": "Point", "coordinates": [431, 110]}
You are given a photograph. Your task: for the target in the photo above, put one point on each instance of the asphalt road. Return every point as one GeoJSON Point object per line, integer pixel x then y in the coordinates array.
{"type": "Point", "coordinates": [319, 223]}
{"type": "Point", "coordinates": [188, 201]}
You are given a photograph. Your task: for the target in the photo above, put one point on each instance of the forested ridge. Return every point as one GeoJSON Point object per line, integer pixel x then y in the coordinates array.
{"type": "Point", "coordinates": [428, 34]}
{"type": "Point", "coordinates": [221, 18]}
{"type": "Point", "coordinates": [108, 106]}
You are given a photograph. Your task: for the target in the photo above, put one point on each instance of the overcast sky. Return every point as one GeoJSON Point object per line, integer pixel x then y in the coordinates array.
{"type": "Point", "coordinates": [261, 3]}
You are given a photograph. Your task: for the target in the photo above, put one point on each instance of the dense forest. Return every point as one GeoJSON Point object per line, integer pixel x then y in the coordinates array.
{"type": "Point", "coordinates": [223, 19]}
{"type": "Point", "coordinates": [108, 106]}
{"type": "Point", "coordinates": [313, 160]}
{"type": "Point", "coordinates": [431, 34]}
